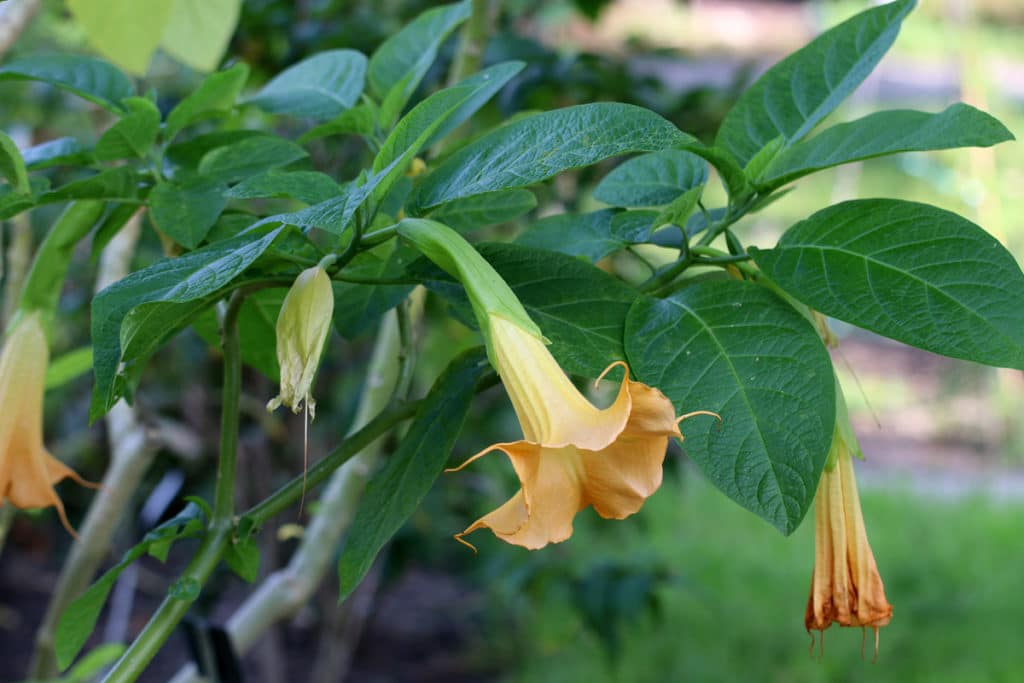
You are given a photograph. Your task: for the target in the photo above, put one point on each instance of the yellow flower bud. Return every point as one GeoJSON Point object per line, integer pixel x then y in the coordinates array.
{"type": "Point", "coordinates": [302, 328]}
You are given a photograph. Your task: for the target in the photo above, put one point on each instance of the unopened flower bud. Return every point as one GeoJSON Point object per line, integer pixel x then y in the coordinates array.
{"type": "Point", "coordinates": [302, 328]}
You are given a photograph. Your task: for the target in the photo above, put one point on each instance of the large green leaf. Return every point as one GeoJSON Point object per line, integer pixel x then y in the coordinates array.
{"type": "Point", "coordinates": [127, 32]}
{"type": "Point", "coordinates": [198, 31]}
{"type": "Point", "coordinates": [538, 147]}
{"type": "Point", "coordinates": [257, 325]}
{"type": "Point", "coordinates": [652, 179]}
{"type": "Point", "coordinates": [196, 276]}
{"type": "Point", "coordinates": [359, 120]}
{"type": "Point", "coordinates": [187, 211]}
{"type": "Point", "coordinates": [248, 157]}
{"type": "Point", "coordinates": [399, 64]}
{"type": "Point", "coordinates": [216, 95]}
{"type": "Point", "coordinates": [916, 273]}
{"type": "Point", "coordinates": [422, 124]}
{"type": "Point", "coordinates": [580, 308]}
{"type": "Point", "coordinates": [319, 87]}
{"type": "Point", "coordinates": [311, 187]}
{"type": "Point", "coordinates": [588, 235]}
{"type": "Point", "coordinates": [132, 136]}
{"type": "Point", "coordinates": [79, 619]}
{"type": "Point", "coordinates": [395, 492]}
{"type": "Point", "coordinates": [114, 183]}
{"type": "Point", "coordinates": [793, 96]}
{"type": "Point", "coordinates": [485, 209]}
{"type": "Point", "coordinates": [87, 77]}
{"type": "Point", "coordinates": [739, 350]}
{"type": "Point", "coordinates": [885, 132]}
{"type": "Point", "coordinates": [12, 166]}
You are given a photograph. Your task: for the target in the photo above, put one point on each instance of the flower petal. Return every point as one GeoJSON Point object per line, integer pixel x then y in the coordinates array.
{"type": "Point", "coordinates": [550, 408]}
{"type": "Point", "coordinates": [542, 511]}
{"type": "Point", "coordinates": [622, 476]}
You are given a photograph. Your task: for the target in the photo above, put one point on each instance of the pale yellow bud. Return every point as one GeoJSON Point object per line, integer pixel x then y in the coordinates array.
{"type": "Point", "coordinates": [302, 329]}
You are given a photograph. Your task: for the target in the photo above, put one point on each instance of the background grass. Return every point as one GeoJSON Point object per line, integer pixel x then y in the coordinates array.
{"type": "Point", "coordinates": [729, 603]}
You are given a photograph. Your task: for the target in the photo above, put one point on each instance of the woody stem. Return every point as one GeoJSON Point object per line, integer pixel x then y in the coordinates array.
{"type": "Point", "coordinates": [163, 622]}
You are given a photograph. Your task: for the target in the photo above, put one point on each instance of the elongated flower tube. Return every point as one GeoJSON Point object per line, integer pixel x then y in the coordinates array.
{"type": "Point", "coordinates": [27, 470]}
{"type": "Point", "coordinates": [572, 455]}
{"type": "Point", "coordinates": [302, 328]}
{"type": "Point", "coordinates": [846, 587]}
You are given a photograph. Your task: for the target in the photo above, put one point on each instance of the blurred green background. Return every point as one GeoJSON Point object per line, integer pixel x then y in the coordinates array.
{"type": "Point", "coordinates": [692, 588]}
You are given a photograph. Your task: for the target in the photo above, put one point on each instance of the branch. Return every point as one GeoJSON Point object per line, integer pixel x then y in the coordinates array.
{"type": "Point", "coordinates": [287, 590]}
{"type": "Point", "coordinates": [131, 453]}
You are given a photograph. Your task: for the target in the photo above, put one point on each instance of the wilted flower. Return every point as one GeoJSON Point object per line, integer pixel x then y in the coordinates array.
{"type": "Point", "coordinates": [27, 470]}
{"type": "Point", "coordinates": [846, 588]}
{"type": "Point", "coordinates": [302, 328]}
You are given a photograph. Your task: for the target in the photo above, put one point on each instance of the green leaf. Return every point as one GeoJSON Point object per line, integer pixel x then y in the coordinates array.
{"type": "Point", "coordinates": [94, 662]}
{"type": "Point", "coordinates": [248, 157]}
{"type": "Point", "coordinates": [359, 120]}
{"type": "Point", "coordinates": [69, 366]}
{"type": "Point", "coordinates": [119, 183]}
{"type": "Point", "coordinates": [678, 212]}
{"type": "Point", "coordinates": [243, 557]}
{"type": "Point", "coordinates": [257, 324]}
{"type": "Point", "coordinates": [126, 32]}
{"type": "Point", "coordinates": [733, 177]}
{"type": "Point", "coordinates": [116, 218]}
{"type": "Point", "coordinates": [739, 350]}
{"type": "Point", "coordinates": [885, 132]}
{"type": "Point", "coordinates": [333, 215]}
{"type": "Point", "coordinates": [311, 187]}
{"type": "Point", "coordinates": [12, 203]}
{"type": "Point", "coordinates": [486, 83]}
{"type": "Point", "coordinates": [188, 154]}
{"type": "Point", "coordinates": [588, 235]}
{"type": "Point", "coordinates": [402, 60]}
{"type": "Point", "coordinates": [539, 147]}
{"type": "Point", "coordinates": [79, 619]}
{"type": "Point", "coordinates": [62, 151]}
{"type": "Point", "coordinates": [396, 491]}
{"type": "Point", "coordinates": [90, 78]}
{"type": "Point", "coordinates": [485, 209]}
{"type": "Point", "coordinates": [133, 135]}
{"type": "Point", "coordinates": [652, 179]}
{"type": "Point", "coordinates": [319, 87]}
{"type": "Point", "coordinates": [437, 113]}
{"type": "Point", "coordinates": [215, 96]}
{"type": "Point", "coordinates": [913, 272]}
{"type": "Point", "coordinates": [793, 96]}
{"type": "Point", "coordinates": [12, 166]}
{"type": "Point", "coordinates": [359, 306]}
{"type": "Point", "coordinates": [198, 31]}
{"type": "Point", "coordinates": [196, 276]}
{"type": "Point", "coordinates": [580, 308]}
{"type": "Point", "coordinates": [186, 212]}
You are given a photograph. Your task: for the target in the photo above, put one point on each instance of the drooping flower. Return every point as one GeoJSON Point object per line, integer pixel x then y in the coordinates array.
{"type": "Point", "coordinates": [846, 587]}
{"type": "Point", "coordinates": [27, 470]}
{"type": "Point", "coordinates": [302, 328]}
{"type": "Point", "coordinates": [572, 455]}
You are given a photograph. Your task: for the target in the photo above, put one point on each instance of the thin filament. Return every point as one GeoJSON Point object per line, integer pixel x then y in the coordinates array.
{"type": "Point", "coordinates": [305, 454]}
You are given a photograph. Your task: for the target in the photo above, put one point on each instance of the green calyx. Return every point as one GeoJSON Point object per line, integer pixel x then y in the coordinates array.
{"type": "Point", "coordinates": [488, 293]}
